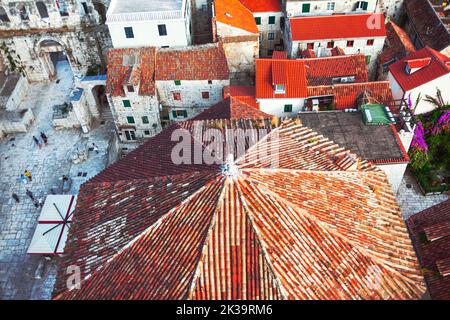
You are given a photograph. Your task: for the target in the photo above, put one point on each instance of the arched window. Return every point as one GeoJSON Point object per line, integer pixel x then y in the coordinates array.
{"type": "Point", "coordinates": [23, 12]}
{"type": "Point", "coordinates": [3, 15]}
{"type": "Point", "coordinates": [42, 8]}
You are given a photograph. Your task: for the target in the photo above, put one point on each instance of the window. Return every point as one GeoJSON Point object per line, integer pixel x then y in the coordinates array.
{"type": "Point", "coordinates": [272, 20]}
{"type": "Point", "coordinates": [145, 120]}
{"type": "Point", "coordinates": [330, 5]}
{"type": "Point", "coordinates": [271, 36]}
{"type": "Point", "coordinates": [176, 96]}
{"type": "Point", "coordinates": [368, 59]}
{"type": "Point", "coordinates": [370, 42]}
{"type": "Point", "coordinates": [270, 52]}
{"type": "Point", "coordinates": [23, 13]}
{"type": "Point", "coordinates": [361, 5]}
{"type": "Point", "coordinates": [258, 20]}
{"type": "Point", "coordinates": [306, 7]}
{"type": "Point", "coordinates": [162, 30]}
{"type": "Point", "coordinates": [177, 82]}
{"type": "Point", "coordinates": [179, 113]}
{"type": "Point", "coordinates": [350, 43]}
{"type": "Point", "coordinates": [62, 7]}
{"type": "Point", "coordinates": [279, 88]}
{"type": "Point", "coordinates": [204, 7]}
{"type": "Point", "coordinates": [310, 46]}
{"type": "Point", "coordinates": [130, 135]}
{"type": "Point", "coordinates": [209, 81]}
{"type": "Point", "coordinates": [3, 15]}
{"type": "Point", "coordinates": [85, 7]}
{"type": "Point", "coordinates": [147, 132]}
{"type": "Point", "coordinates": [130, 119]}
{"type": "Point", "coordinates": [330, 44]}
{"type": "Point", "coordinates": [128, 32]}
{"type": "Point", "coordinates": [130, 88]}
{"type": "Point", "coordinates": [205, 95]}
{"type": "Point", "coordinates": [42, 9]}
{"type": "Point", "coordinates": [288, 108]}
{"type": "Point", "coordinates": [126, 103]}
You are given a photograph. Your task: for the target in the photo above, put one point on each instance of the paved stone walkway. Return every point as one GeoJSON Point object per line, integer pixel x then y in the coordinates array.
{"type": "Point", "coordinates": [24, 276]}
{"type": "Point", "coordinates": [411, 200]}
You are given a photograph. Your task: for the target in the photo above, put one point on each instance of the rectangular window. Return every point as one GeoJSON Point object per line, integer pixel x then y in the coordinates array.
{"type": "Point", "coordinates": [370, 42]}
{"type": "Point", "coordinates": [350, 43]}
{"type": "Point", "coordinates": [205, 95]}
{"type": "Point", "coordinates": [361, 5]}
{"type": "Point", "coordinates": [368, 59]}
{"type": "Point", "coordinates": [209, 81]}
{"type": "Point", "coordinates": [204, 7]}
{"type": "Point", "coordinates": [330, 45]}
{"type": "Point", "coordinates": [162, 30]}
{"type": "Point", "coordinates": [176, 96]}
{"type": "Point", "coordinates": [130, 88]}
{"type": "Point", "coordinates": [270, 52]}
{"type": "Point", "coordinates": [288, 108]}
{"type": "Point", "coordinates": [306, 7]}
{"type": "Point", "coordinates": [271, 36]}
{"type": "Point", "coordinates": [177, 82]}
{"type": "Point", "coordinates": [126, 103]}
{"type": "Point", "coordinates": [130, 120]}
{"type": "Point", "coordinates": [129, 32]}
{"type": "Point", "coordinates": [279, 88]}
{"type": "Point", "coordinates": [145, 120]}
{"type": "Point", "coordinates": [330, 6]}
{"type": "Point", "coordinates": [147, 132]}
{"type": "Point", "coordinates": [85, 7]}
{"type": "Point", "coordinates": [179, 113]}
{"type": "Point", "coordinates": [258, 20]}
{"type": "Point", "coordinates": [272, 20]}
{"type": "Point", "coordinates": [310, 45]}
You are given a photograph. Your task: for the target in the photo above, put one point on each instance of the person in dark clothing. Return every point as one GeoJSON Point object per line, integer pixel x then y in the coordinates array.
{"type": "Point", "coordinates": [30, 194]}
{"type": "Point", "coordinates": [44, 138]}
{"type": "Point", "coordinates": [36, 140]}
{"type": "Point", "coordinates": [15, 197]}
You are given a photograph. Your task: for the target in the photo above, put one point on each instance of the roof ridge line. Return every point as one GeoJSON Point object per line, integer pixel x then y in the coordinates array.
{"type": "Point", "coordinates": [156, 224]}
{"type": "Point", "coordinates": [205, 244]}
{"type": "Point", "coordinates": [264, 253]}
{"type": "Point", "coordinates": [343, 237]}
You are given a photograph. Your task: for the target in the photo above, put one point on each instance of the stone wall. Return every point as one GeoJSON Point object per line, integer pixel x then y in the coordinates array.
{"type": "Point", "coordinates": [12, 122]}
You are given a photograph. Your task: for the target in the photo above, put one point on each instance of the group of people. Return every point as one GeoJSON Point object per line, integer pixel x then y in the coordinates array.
{"type": "Point", "coordinates": [26, 177]}
{"type": "Point", "coordinates": [44, 140]}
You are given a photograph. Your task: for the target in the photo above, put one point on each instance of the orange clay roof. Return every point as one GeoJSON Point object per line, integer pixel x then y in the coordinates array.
{"type": "Point", "coordinates": [234, 13]}
{"type": "Point", "coordinates": [243, 93]}
{"type": "Point", "coordinates": [319, 224]}
{"type": "Point", "coordinates": [256, 6]}
{"type": "Point", "coordinates": [232, 108]}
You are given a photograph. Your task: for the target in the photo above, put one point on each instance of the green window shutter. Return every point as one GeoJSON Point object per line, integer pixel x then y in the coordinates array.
{"type": "Point", "coordinates": [258, 20]}
{"type": "Point", "coordinates": [185, 113]}
{"type": "Point", "coordinates": [145, 120]}
{"type": "Point", "coordinates": [306, 7]}
{"type": "Point", "coordinates": [126, 103]}
{"type": "Point", "coordinates": [130, 119]}
{"type": "Point", "coordinates": [272, 20]}
{"type": "Point", "coordinates": [288, 108]}
{"type": "Point", "coordinates": [368, 59]}
{"type": "Point", "coordinates": [177, 82]}
{"type": "Point", "coordinates": [174, 114]}
{"type": "Point", "coordinates": [365, 5]}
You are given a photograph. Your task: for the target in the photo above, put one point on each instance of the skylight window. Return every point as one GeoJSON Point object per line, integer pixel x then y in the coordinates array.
{"type": "Point", "coordinates": [279, 88]}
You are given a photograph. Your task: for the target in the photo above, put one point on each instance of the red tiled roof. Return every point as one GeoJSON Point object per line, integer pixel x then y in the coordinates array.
{"type": "Point", "coordinates": [234, 13]}
{"type": "Point", "coordinates": [430, 234]}
{"type": "Point", "coordinates": [279, 55]}
{"type": "Point", "coordinates": [397, 45]}
{"type": "Point", "coordinates": [347, 95]}
{"type": "Point", "coordinates": [418, 63]}
{"type": "Point", "coordinates": [244, 93]}
{"type": "Point", "coordinates": [262, 5]}
{"type": "Point", "coordinates": [346, 26]}
{"type": "Point", "coordinates": [232, 108]}
{"type": "Point", "coordinates": [308, 53]}
{"type": "Point", "coordinates": [322, 224]}
{"type": "Point", "coordinates": [290, 72]}
{"type": "Point", "coordinates": [439, 66]}
{"type": "Point", "coordinates": [321, 71]}
{"type": "Point", "coordinates": [203, 62]}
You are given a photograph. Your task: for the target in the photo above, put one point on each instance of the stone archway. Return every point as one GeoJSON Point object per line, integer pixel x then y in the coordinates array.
{"type": "Point", "coordinates": [51, 52]}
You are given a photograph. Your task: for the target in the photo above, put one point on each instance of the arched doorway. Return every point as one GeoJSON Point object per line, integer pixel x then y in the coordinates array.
{"type": "Point", "coordinates": [54, 56]}
{"type": "Point", "coordinates": [101, 100]}
{"type": "Point", "coordinates": [101, 10]}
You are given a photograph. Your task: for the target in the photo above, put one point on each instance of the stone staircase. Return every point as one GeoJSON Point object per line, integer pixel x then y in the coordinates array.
{"type": "Point", "coordinates": [107, 115]}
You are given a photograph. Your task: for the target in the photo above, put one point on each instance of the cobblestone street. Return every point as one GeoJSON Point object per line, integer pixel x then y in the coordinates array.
{"type": "Point", "coordinates": [24, 276]}
{"type": "Point", "coordinates": [411, 200]}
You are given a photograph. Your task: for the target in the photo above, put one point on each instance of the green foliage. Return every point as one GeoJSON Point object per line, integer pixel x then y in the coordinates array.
{"type": "Point", "coordinates": [94, 70]}
{"type": "Point", "coordinates": [14, 64]}
{"type": "Point", "coordinates": [419, 159]}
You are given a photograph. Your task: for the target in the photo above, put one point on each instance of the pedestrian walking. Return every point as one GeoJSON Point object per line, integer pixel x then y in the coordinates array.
{"type": "Point", "coordinates": [23, 179]}
{"type": "Point", "coordinates": [28, 175]}
{"type": "Point", "coordinates": [95, 148]}
{"type": "Point", "coordinates": [36, 203]}
{"type": "Point", "coordinates": [15, 197]}
{"type": "Point", "coordinates": [44, 138]}
{"type": "Point", "coordinates": [30, 194]}
{"type": "Point", "coordinates": [36, 140]}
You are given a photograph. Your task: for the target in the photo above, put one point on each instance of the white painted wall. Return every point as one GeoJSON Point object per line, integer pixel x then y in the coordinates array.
{"type": "Point", "coordinates": [294, 8]}
{"type": "Point", "coordinates": [265, 28]}
{"type": "Point", "coordinates": [276, 106]}
{"type": "Point", "coordinates": [394, 174]}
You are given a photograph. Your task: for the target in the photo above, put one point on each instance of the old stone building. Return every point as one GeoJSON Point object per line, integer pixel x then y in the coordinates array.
{"type": "Point", "coordinates": [34, 35]}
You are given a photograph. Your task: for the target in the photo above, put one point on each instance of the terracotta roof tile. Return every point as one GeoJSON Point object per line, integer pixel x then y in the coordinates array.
{"type": "Point", "coordinates": [234, 13]}
{"type": "Point", "coordinates": [397, 45]}
{"type": "Point", "coordinates": [262, 6]}
{"type": "Point", "coordinates": [244, 93]}
{"type": "Point", "coordinates": [346, 26]}
{"type": "Point", "coordinates": [309, 228]}
{"type": "Point", "coordinates": [429, 232]}
{"type": "Point", "coordinates": [439, 66]}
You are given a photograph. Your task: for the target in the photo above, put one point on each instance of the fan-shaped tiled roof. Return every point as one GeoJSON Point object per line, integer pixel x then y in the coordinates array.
{"type": "Point", "coordinates": [293, 216]}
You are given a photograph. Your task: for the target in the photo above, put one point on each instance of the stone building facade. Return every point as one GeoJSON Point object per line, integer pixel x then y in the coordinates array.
{"type": "Point", "coordinates": [35, 34]}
